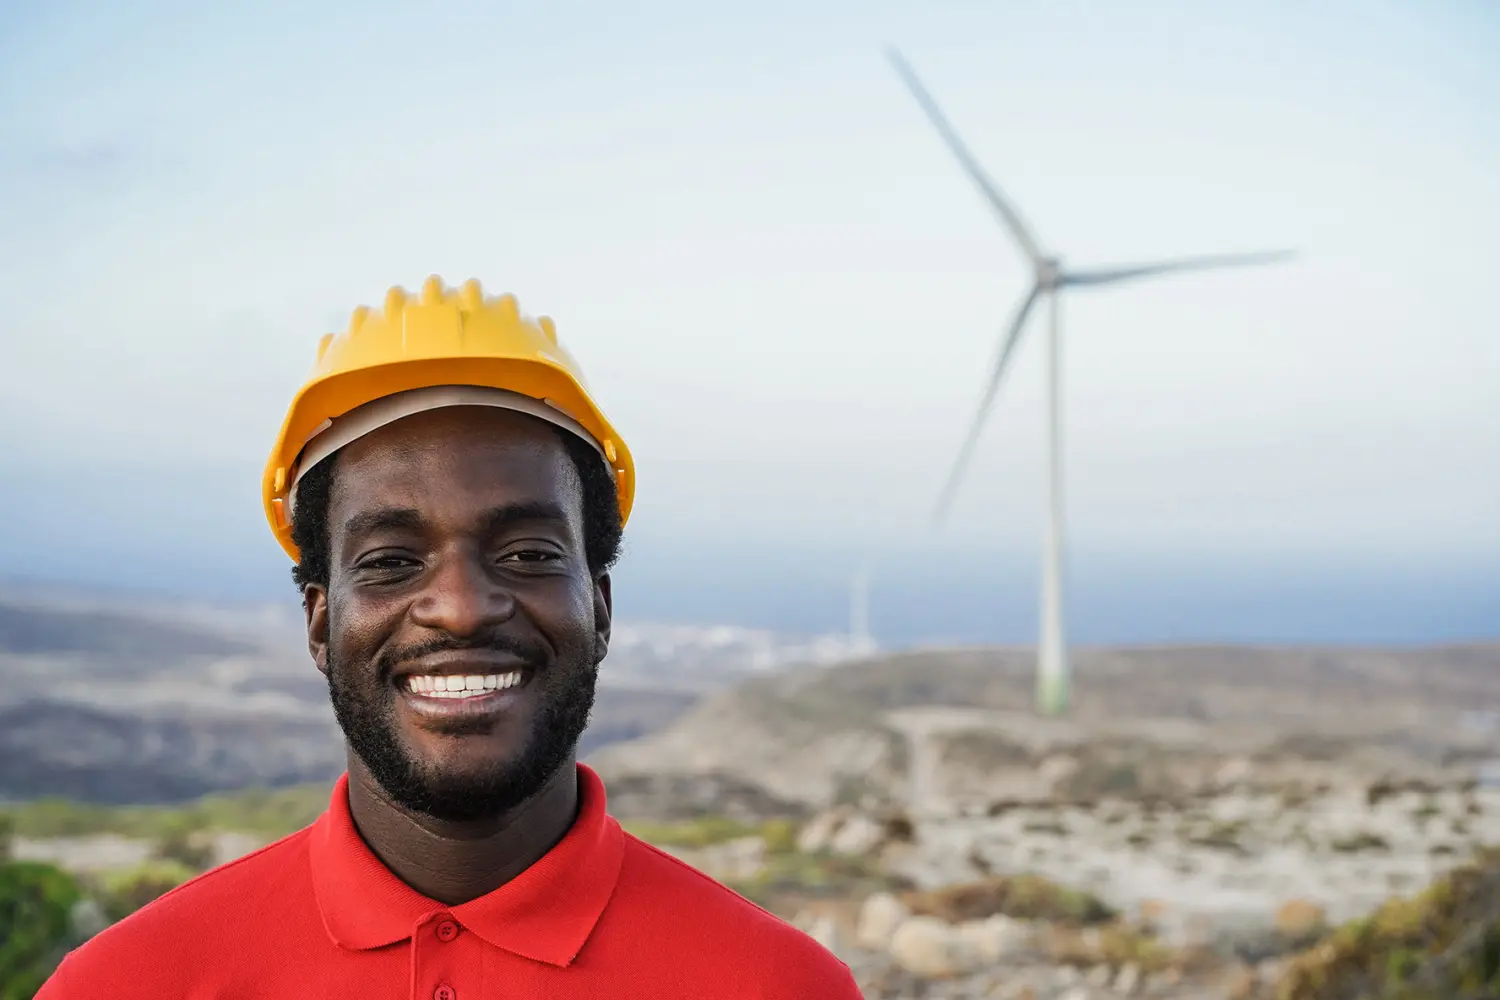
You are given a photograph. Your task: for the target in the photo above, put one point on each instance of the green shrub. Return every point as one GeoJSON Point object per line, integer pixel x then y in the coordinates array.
{"type": "Point", "coordinates": [1023, 897]}
{"type": "Point", "coordinates": [126, 891]}
{"type": "Point", "coordinates": [818, 875]}
{"type": "Point", "coordinates": [267, 812]}
{"type": "Point", "coordinates": [1440, 944]}
{"type": "Point", "coordinates": [186, 848]}
{"type": "Point", "coordinates": [703, 831]}
{"type": "Point", "coordinates": [36, 904]}
{"type": "Point", "coordinates": [780, 836]}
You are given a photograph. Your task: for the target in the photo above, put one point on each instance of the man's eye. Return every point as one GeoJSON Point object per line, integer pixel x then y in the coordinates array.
{"type": "Point", "coordinates": [529, 556]}
{"type": "Point", "coordinates": [386, 563]}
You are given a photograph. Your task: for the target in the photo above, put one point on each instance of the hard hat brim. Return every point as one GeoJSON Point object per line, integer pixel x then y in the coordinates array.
{"type": "Point", "coordinates": [338, 393]}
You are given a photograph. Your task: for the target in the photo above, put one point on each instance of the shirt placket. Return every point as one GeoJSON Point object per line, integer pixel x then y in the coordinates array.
{"type": "Point", "coordinates": [438, 947]}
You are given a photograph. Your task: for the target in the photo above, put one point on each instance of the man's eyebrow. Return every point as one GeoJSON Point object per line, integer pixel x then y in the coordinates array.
{"type": "Point", "coordinates": [409, 519]}
{"type": "Point", "coordinates": [500, 518]}
{"type": "Point", "coordinates": [383, 519]}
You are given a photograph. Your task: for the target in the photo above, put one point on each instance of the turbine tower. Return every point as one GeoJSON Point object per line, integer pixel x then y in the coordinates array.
{"type": "Point", "coordinates": [1049, 279]}
{"type": "Point", "coordinates": [860, 640]}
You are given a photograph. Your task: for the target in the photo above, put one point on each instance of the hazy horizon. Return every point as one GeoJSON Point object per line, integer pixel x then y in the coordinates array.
{"type": "Point", "coordinates": [204, 539]}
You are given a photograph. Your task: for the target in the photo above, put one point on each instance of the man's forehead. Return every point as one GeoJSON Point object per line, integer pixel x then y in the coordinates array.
{"type": "Point", "coordinates": [479, 456]}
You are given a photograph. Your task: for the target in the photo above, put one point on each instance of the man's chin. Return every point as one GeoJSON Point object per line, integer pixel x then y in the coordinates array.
{"type": "Point", "coordinates": [463, 787]}
{"type": "Point", "coordinates": [451, 797]}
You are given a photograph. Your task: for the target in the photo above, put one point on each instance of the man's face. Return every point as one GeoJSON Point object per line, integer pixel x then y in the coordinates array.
{"type": "Point", "coordinates": [461, 630]}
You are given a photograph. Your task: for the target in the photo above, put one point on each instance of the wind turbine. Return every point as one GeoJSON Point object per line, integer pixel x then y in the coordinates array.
{"type": "Point", "coordinates": [1049, 279]}
{"type": "Point", "coordinates": [860, 640]}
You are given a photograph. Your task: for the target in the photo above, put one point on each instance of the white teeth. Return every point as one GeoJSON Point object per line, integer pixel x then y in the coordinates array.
{"type": "Point", "coordinates": [461, 685]}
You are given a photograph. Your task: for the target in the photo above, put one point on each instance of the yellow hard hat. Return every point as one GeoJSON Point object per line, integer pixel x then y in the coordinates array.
{"type": "Point", "coordinates": [453, 342]}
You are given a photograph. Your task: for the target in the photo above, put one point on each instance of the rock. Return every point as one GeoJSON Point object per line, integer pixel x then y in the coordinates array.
{"type": "Point", "coordinates": [879, 917]}
{"type": "Point", "coordinates": [926, 946]}
{"type": "Point", "coordinates": [1160, 982]}
{"type": "Point", "coordinates": [1152, 912]}
{"type": "Point", "coordinates": [1057, 768]}
{"type": "Point", "coordinates": [1234, 771]}
{"type": "Point", "coordinates": [819, 831]}
{"type": "Point", "coordinates": [1299, 921]}
{"type": "Point", "coordinates": [1240, 983]}
{"type": "Point", "coordinates": [859, 834]}
{"type": "Point", "coordinates": [842, 831]}
{"type": "Point", "coordinates": [1098, 977]}
{"type": "Point", "coordinates": [1128, 980]}
{"type": "Point", "coordinates": [1249, 941]}
{"type": "Point", "coordinates": [997, 938]}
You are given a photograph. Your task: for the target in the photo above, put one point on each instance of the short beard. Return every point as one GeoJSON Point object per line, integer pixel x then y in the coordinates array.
{"type": "Point", "coordinates": [370, 729]}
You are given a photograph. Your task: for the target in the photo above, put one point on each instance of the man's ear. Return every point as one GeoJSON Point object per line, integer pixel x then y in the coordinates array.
{"type": "Point", "coordinates": [315, 606]}
{"type": "Point", "coordinates": [603, 616]}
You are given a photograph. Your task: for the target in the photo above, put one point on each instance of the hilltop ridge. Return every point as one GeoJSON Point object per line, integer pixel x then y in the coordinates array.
{"type": "Point", "coordinates": [821, 735]}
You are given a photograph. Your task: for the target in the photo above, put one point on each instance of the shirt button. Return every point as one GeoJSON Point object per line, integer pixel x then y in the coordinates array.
{"type": "Point", "coordinates": [447, 930]}
{"type": "Point", "coordinates": [445, 992]}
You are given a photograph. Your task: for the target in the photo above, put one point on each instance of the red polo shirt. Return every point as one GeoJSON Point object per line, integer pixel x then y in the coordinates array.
{"type": "Point", "coordinates": [601, 916]}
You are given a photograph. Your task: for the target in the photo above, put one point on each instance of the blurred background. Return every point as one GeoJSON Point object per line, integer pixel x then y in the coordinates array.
{"type": "Point", "coordinates": [1283, 483]}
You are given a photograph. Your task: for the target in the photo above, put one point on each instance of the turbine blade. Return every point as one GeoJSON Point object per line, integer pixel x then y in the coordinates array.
{"type": "Point", "coordinates": [1110, 275]}
{"type": "Point", "coordinates": [987, 400]}
{"type": "Point", "coordinates": [988, 187]}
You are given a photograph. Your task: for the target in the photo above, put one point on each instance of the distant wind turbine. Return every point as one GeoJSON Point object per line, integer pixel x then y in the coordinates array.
{"type": "Point", "coordinates": [859, 609]}
{"type": "Point", "coordinates": [1050, 278]}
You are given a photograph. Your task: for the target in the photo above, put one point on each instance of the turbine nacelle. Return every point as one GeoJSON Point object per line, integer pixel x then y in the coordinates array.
{"type": "Point", "coordinates": [1049, 274]}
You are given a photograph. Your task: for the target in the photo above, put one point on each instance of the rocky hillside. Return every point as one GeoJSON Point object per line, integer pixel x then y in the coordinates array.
{"type": "Point", "coordinates": [947, 727]}
{"type": "Point", "coordinates": [1193, 828]}
{"type": "Point", "coordinates": [1209, 824]}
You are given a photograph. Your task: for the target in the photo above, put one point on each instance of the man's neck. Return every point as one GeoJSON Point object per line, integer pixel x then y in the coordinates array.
{"type": "Point", "coordinates": [456, 862]}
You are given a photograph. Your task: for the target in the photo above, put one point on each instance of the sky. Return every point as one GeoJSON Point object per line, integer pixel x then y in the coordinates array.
{"type": "Point", "coordinates": [785, 293]}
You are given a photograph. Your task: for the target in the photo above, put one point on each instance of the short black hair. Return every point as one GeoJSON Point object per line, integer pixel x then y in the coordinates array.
{"type": "Point", "coordinates": [602, 530]}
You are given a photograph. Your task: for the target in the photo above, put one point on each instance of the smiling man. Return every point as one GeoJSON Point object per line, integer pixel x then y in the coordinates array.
{"type": "Point", "coordinates": [453, 500]}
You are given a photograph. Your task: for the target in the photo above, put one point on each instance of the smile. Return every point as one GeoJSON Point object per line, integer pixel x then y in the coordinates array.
{"type": "Point", "coordinates": [464, 698]}
{"type": "Point", "coordinates": [460, 685]}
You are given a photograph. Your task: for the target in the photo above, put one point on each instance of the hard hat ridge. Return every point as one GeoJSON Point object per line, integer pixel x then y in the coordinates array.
{"type": "Point", "coordinates": [444, 337]}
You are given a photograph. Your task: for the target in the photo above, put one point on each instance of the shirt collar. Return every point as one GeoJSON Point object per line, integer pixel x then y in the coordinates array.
{"type": "Point", "coordinates": [546, 913]}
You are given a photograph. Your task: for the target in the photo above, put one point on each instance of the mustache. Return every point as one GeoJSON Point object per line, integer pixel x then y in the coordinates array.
{"type": "Point", "coordinates": [533, 653]}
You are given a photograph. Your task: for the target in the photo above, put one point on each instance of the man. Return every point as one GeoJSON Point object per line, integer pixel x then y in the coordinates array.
{"type": "Point", "coordinates": [453, 500]}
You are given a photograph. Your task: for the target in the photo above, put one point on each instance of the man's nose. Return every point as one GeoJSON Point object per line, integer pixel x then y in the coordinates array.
{"type": "Point", "coordinates": [462, 597]}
